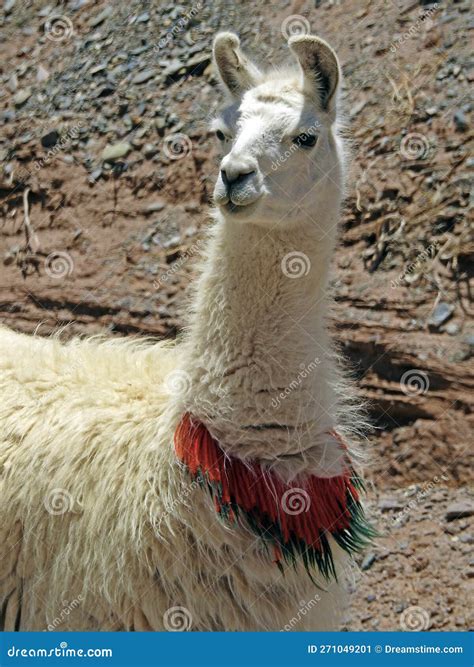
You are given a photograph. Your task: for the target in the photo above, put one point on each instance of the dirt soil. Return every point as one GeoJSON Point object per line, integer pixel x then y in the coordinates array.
{"type": "Point", "coordinates": [107, 245]}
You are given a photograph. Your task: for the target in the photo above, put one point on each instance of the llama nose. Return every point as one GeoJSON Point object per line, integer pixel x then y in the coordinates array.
{"type": "Point", "coordinates": [230, 177]}
{"type": "Point", "coordinates": [236, 169]}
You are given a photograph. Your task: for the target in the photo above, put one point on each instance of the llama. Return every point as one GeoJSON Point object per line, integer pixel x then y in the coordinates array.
{"type": "Point", "coordinates": [111, 515]}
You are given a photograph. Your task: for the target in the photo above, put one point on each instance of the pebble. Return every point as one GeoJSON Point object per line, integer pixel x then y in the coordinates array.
{"type": "Point", "coordinates": [441, 313]}
{"type": "Point", "coordinates": [42, 74]}
{"type": "Point", "coordinates": [368, 561]}
{"type": "Point", "coordinates": [12, 84]}
{"type": "Point", "coordinates": [22, 96]}
{"type": "Point", "coordinates": [387, 504]}
{"type": "Point", "coordinates": [459, 510]}
{"type": "Point", "coordinates": [149, 150]}
{"type": "Point", "coordinates": [100, 18]}
{"type": "Point", "coordinates": [8, 6]}
{"type": "Point", "coordinates": [50, 139]}
{"type": "Point", "coordinates": [144, 76]}
{"type": "Point", "coordinates": [116, 151]}
{"type": "Point", "coordinates": [154, 207]}
{"type": "Point", "coordinates": [143, 18]}
{"type": "Point", "coordinates": [452, 328]}
{"type": "Point", "coordinates": [460, 121]}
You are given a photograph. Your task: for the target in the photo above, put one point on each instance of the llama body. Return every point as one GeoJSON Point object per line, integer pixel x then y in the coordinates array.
{"type": "Point", "coordinates": [95, 508]}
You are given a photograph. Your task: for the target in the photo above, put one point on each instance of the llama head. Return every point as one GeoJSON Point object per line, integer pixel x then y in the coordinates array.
{"type": "Point", "coordinates": [282, 157]}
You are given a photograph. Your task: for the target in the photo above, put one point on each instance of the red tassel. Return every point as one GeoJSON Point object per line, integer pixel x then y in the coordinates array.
{"type": "Point", "coordinates": [263, 496]}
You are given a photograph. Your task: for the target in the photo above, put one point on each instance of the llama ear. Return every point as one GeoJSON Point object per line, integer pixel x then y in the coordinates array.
{"type": "Point", "coordinates": [320, 67]}
{"type": "Point", "coordinates": [236, 71]}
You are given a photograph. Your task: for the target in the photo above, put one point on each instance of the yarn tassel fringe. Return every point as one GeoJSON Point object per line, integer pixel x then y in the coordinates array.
{"type": "Point", "coordinates": [294, 519]}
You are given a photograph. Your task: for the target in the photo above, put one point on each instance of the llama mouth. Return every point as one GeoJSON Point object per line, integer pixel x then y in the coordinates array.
{"type": "Point", "coordinates": [237, 209]}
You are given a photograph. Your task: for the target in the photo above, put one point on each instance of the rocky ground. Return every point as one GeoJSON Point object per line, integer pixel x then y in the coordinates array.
{"type": "Point", "coordinates": [106, 170]}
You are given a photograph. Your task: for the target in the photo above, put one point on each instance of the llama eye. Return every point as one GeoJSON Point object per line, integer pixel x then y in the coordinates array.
{"type": "Point", "coordinates": [220, 135]}
{"type": "Point", "coordinates": [305, 140]}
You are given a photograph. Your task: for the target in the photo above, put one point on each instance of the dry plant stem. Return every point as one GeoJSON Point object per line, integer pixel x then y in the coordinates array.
{"type": "Point", "coordinates": [32, 241]}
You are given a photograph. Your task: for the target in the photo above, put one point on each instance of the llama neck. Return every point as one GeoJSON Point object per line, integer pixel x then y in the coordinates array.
{"type": "Point", "coordinates": [257, 355]}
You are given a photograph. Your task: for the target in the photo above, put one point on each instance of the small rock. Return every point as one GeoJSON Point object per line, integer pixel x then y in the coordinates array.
{"type": "Point", "coordinates": [155, 207]}
{"type": "Point", "coordinates": [8, 6]}
{"type": "Point", "coordinates": [368, 561]}
{"type": "Point", "coordinates": [114, 152]}
{"type": "Point", "coordinates": [149, 150]}
{"type": "Point", "coordinates": [21, 96]}
{"type": "Point", "coordinates": [172, 70]}
{"type": "Point", "coordinates": [50, 139]}
{"type": "Point", "coordinates": [42, 74]}
{"type": "Point", "coordinates": [452, 328]}
{"type": "Point", "coordinates": [144, 76]}
{"type": "Point", "coordinates": [371, 597]}
{"type": "Point", "coordinates": [459, 510]}
{"type": "Point", "coordinates": [160, 124]}
{"type": "Point", "coordinates": [441, 313]}
{"type": "Point", "coordinates": [143, 18]}
{"type": "Point", "coordinates": [95, 175]}
{"type": "Point", "coordinates": [197, 64]}
{"type": "Point", "coordinates": [100, 18]}
{"type": "Point", "coordinates": [388, 504]}
{"type": "Point", "coordinates": [12, 84]}
{"type": "Point", "coordinates": [460, 121]}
